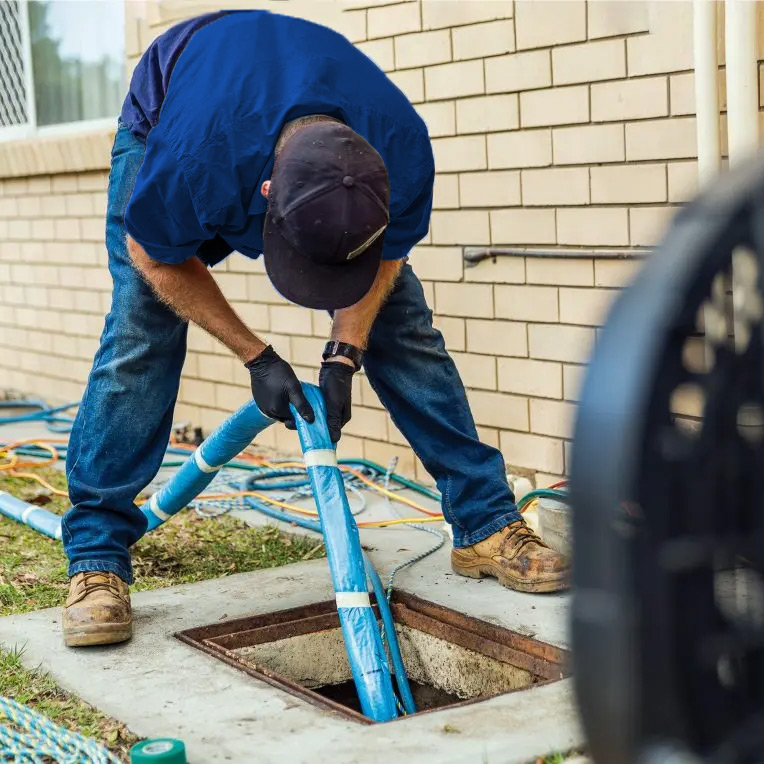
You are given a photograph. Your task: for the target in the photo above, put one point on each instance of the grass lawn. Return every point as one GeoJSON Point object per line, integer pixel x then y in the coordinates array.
{"type": "Point", "coordinates": [184, 550]}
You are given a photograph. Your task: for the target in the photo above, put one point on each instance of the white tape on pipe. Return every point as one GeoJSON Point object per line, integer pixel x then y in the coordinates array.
{"type": "Point", "coordinates": [201, 464]}
{"type": "Point", "coordinates": [154, 507]}
{"type": "Point", "coordinates": [58, 532]}
{"type": "Point", "coordinates": [320, 457]}
{"type": "Point", "coordinates": [25, 514]}
{"type": "Point", "coordinates": [352, 599]}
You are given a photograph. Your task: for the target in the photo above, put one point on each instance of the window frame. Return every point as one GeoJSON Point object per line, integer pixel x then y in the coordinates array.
{"type": "Point", "coordinates": [31, 129]}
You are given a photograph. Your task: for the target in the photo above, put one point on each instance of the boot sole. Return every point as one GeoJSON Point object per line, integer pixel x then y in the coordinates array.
{"type": "Point", "coordinates": [485, 569]}
{"type": "Point", "coordinates": [101, 634]}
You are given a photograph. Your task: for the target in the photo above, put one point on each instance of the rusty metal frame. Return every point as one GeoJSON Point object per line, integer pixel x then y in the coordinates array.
{"type": "Point", "coordinates": [545, 662]}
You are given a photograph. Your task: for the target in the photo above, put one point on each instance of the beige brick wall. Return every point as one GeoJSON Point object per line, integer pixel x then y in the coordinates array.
{"type": "Point", "coordinates": [556, 126]}
{"type": "Point", "coordinates": [54, 287]}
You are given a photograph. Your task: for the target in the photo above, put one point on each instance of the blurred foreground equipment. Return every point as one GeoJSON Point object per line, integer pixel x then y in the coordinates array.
{"type": "Point", "coordinates": [668, 498]}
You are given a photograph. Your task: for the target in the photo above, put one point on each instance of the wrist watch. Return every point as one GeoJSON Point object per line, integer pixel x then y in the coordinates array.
{"type": "Point", "coordinates": [346, 350]}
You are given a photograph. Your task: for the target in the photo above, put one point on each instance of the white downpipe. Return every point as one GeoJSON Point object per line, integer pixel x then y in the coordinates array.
{"type": "Point", "coordinates": [742, 79]}
{"type": "Point", "coordinates": [706, 88]}
{"type": "Point", "coordinates": [706, 110]}
{"type": "Point", "coordinates": [742, 122]}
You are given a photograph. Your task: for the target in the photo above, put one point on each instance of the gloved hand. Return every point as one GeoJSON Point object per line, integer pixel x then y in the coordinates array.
{"type": "Point", "coordinates": [336, 381]}
{"type": "Point", "coordinates": [275, 386]}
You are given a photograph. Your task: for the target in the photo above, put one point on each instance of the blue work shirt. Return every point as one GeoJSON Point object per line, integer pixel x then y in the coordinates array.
{"type": "Point", "coordinates": [211, 114]}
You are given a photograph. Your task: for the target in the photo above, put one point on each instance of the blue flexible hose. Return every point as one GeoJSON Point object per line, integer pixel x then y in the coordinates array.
{"type": "Point", "coordinates": [366, 652]}
{"type": "Point", "coordinates": [392, 638]}
{"type": "Point", "coordinates": [283, 516]}
{"type": "Point", "coordinates": [197, 472]}
{"type": "Point", "coordinates": [379, 592]}
{"type": "Point", "coordinates": [44, 414]}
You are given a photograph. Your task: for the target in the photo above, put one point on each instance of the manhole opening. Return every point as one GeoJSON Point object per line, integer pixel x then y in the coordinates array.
{"type": "Point", "coordinates": [451, 659]}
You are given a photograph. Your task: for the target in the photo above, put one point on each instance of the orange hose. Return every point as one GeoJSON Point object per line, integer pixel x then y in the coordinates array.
{"type": "Point", "coordinates": [13, 464]}
{"type": "Point", "coordinates": [42, 481]}
{"type": "Point", "coordinates": [16, 462]}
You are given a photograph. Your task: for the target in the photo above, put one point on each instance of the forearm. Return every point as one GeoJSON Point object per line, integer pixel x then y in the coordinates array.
{"type": "Point", "coordinates": [353, 324]}
{"type": "Point", "coordinates": [190, 291]}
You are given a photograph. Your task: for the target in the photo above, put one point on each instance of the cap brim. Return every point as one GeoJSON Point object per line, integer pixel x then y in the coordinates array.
{"type": "Point", "coordinates": [316, 285]}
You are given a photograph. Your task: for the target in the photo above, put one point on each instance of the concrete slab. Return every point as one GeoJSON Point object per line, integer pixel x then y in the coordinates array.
{"type": "Point", "coordinates": [160, 686]}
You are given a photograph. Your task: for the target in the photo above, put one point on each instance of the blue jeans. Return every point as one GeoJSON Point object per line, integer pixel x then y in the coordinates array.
{"type": "Point", "coordinates": [124, 421]}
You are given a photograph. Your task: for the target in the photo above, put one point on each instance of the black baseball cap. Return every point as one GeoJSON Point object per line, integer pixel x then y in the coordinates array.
{"type": "Point", "coordinates": [326, 218]}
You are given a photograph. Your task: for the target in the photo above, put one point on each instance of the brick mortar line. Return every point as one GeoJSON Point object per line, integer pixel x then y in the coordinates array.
{"type": "Point", "coordinates": [21, 181]}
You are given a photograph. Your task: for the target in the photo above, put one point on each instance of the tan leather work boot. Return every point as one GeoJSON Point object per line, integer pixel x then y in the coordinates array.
{"type": "Point", "coordinates": [97, 611]}
{"type": "Point", "coordinates": [517, 557]}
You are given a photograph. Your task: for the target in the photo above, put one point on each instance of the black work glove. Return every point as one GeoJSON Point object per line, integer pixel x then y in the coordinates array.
{"type": "Point", "coordinates": [275, 386]}
{"type": "Point", "coordinates": [336, 382]}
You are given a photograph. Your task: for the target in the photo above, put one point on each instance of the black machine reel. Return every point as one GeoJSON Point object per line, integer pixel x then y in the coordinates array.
{"type": "Point", "coordinates": [667, 488]}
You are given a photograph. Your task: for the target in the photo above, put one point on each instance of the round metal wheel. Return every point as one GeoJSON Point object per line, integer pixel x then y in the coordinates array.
{"type": "Point", "coordinates": [667, 487]}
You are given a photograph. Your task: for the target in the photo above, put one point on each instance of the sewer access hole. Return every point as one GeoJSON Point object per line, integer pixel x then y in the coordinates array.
{"type": "Point", "coordinates": [426, 696]}
{"type": "Point", "coordinates": [450, 658]}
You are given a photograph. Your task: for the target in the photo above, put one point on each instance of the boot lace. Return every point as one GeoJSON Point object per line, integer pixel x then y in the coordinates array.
{"type": "Point", "coordinates": [521, 534]}
{"type": "Point", "coordinates": [96, 580]}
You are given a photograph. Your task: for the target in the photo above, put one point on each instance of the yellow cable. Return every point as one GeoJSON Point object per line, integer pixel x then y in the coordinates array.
{"type": "Point", "coordinates": [262, 497]}
{"type": "Point", "coordinates": [313, 513]}
{"type": "Point", "coordinates": [384, 491]}
{"type": "Point", "coordinates": [399, 521]}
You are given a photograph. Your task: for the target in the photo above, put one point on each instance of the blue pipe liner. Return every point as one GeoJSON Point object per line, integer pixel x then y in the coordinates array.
{"type": "Point", "coordinates": [379, 592]}
{"type": "Point", "coordinates": [347, 564]}
{"type": "Point", "coordinates": [35, 517]}
{"type": "Point", "coordinates": [363, 641]}
{"type": "Point", "coordinates": [227, 442]}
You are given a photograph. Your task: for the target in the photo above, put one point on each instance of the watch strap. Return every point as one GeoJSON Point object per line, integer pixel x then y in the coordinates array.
{"type": "Point", "coordinates": [344, 349]}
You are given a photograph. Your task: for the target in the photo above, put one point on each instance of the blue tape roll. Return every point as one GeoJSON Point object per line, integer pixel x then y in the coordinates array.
{"type": "Point", "coordinates": [360, 629]}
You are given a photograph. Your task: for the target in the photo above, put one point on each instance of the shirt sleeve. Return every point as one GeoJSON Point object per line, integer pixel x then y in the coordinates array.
{"type": "Point", "coordinates": [160, 214]}
{"type": "Point", "coordinates": [410, 225]}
